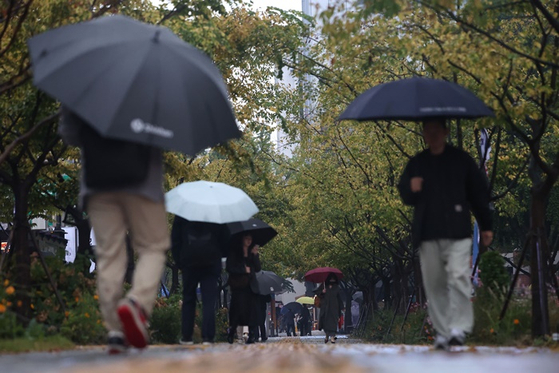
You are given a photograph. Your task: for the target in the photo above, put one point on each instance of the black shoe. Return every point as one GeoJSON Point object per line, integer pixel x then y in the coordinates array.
{"type": "Point", "coordinates": [116, 344]}
{"type": "Point", "coordinates": [263, 339]}
{"type": "Point", "coordinates": [457, 338]}
{"type": "Point", "coordinates": [249, 341]}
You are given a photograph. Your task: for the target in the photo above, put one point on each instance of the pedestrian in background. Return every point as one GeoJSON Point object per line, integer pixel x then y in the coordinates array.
{"type": "Point", "coordinates": [197, 248]}
{"type": "Point", "coordinates": [243, 262]}
{"type": "Point", "coordinates": [117, 208]}
{"type": "Point", "coordinates": [289, 322]}
{"type": "Point", "coordinates": [262, 310]}
{"type": "Point", "coordinates": [331, 306]}
{"type": "Point", "coordinates": [443, 183]}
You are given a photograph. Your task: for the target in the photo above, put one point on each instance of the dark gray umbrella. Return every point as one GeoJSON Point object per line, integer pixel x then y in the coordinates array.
{"type": "Point", "coordinates": [416, 99]}
{"type": "Point", "coordinates": [135, 81]}
{"type": "Point", "coordinates": [293, 307]}
{"type": "Point", "coordinates": [269, 283]}
{"type": "Point", "coordinates": [261, 232]}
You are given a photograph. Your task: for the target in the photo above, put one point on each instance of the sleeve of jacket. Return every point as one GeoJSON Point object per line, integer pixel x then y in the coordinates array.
{"type": "Point", "coordinates": [176, 239]}
{"type": "Point", "coordinates": [478, 195]}
{"type": "Point", "coordinates": [235, 266]}
{"type": "Point", "coordinates": [404, 185]}
{"type": "Point", "coordinates": [340, 304]}
{"type": "Point", "coordinates": [256, 262]}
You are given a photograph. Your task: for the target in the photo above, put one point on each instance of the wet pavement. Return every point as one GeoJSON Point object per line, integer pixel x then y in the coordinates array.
{"type": "Point", "coordinates": [288, 354]}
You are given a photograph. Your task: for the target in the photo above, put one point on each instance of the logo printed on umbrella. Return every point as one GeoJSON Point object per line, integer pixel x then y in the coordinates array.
{"type": "Point", "coordinates": [459, 109]}
{"type": "Point", "coordinates": [137, 125]}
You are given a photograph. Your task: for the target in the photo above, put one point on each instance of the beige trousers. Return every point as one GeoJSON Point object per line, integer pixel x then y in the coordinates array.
{"type": "Point", "coordinates": [112, 215]}
{"type": "Point", "coordinates": [445, 269]}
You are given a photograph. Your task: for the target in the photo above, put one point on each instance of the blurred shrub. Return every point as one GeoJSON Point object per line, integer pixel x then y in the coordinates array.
{"type": "Point", "coordinates": [165, 321]}
{"type": "Point", "coordinates": [83, 323]}
{"type": "Point", "coordinates": [493, 274]}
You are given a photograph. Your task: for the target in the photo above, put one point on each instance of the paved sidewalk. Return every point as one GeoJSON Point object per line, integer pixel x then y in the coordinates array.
{"type": "Point", "coordinates": [288, 355]}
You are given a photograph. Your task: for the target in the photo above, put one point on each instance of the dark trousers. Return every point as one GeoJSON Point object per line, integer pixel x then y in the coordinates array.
{"type": "Point", "coordinates": [258, 332]}
{"type": "Point", "coordinates": [291, 329]}
{"type": "Point", "coordinates": [207, 278]}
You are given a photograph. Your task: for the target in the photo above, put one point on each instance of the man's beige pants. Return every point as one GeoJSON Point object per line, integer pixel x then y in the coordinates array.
{"type": "Point", "coordinates": [112, 215]}
{"type": "Point", "coordinates": [445, 269]}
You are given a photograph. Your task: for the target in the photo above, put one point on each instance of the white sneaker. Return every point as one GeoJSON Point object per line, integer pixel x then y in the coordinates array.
{"type": "Point", "coordinates": [188, 343]}
{"type": "Point", "coordinates": [441, 343]}
{"type": "Point", "coordinates": [457, 337]}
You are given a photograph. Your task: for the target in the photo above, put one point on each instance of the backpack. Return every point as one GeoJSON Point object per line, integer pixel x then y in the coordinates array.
{"type": "Point", "coordinates": [111, 163]}
{"type": "Point", "coordinates": [202, 247]}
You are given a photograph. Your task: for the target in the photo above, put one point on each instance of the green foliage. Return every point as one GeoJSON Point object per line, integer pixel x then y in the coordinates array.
{"type": "Point", "coordinates": [513, 329]}
{"type": "Point", "coordinates": [83, 323]}
{"type": "Point", "coordinates": [385, 328]}
{"type": "Point", "coordinates": [48, 343]}
{"type": "Point", "coordinates": [9, 327]}
{"type": "Point", "coordinates": [165, 321]}
{"type": "Point", "coordinates": [493, 274]}
{"type": "Point", "coordinates": [73, 285]}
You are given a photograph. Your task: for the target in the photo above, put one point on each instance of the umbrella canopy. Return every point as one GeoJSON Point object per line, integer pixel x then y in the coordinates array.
{"type": "Point", "coordinates": [209, 202]}
{"type": "Point", "coordinates": [261, 232]}
{"type": "Point", "coordinates": [269, 283]}
{"type": "Point", "coordinates": [135, 81]}
{"type": "Point", "coordinates": [305, 300]}
{"type": "Point", "coordinates": [294, 307]}
{"type": "Point", "coordinates": [358, 296]}
{"type": "Point", "coordinates": [416, 99]}
{"type": "Point", "coordinates": [320, 274]}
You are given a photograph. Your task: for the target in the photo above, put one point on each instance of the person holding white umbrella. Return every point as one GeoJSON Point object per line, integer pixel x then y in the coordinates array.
{"type": "Point", "coordinates": [199, 240]}
{"type": "Point", "coordinates": [197, 248]}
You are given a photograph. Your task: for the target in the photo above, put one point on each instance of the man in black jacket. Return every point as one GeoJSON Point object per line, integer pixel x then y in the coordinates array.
{"type": "Point", "coordinates": [443, 183]}
{"type": "Point", "coordinates": [197, 248]}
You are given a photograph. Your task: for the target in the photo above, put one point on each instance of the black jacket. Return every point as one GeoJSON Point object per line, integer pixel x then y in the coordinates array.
{"type": "Point", "coordinates": [197, 244]}
{"type": "Point", "coordinates": [452, 186]}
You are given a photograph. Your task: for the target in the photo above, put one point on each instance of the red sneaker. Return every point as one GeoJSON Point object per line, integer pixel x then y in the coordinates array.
{"type": "Point", "coordinates": [134, 323]}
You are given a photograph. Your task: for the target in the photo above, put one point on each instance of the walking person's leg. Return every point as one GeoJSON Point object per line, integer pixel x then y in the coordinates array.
{"type": "Point", "coordinates": [461, 313]}
{"type": "Point", "coordinates": [108, 222]}
{"type": "Point", "coordinates": [190, 280]}
{"type": "Point", "coordinates": [147, 221]}
{"type": "Point", "coordinates": [435, 282]}
{"type": "Point", "coordinates": [209, 289]}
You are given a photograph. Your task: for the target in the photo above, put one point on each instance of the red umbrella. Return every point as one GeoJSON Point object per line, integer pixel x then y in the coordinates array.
{"type": "Point", "coordinates": [319, 275]}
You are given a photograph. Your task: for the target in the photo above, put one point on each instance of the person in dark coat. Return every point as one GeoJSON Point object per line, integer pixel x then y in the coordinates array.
{"type": "Point", "coordinates": [242, 263]}
{"type": "Point", "coordinates": [305, 322]}
{"type": "Point", "coordinates": [289, 322]}
{"type": "Point", "coordinates": [444, 183]}
{"type": "Point", "coordinates": [262, 309]}
{"type": "Point", "coordinates": [331, 306]}
{"type": "Point", "coordinates": [197, 248]}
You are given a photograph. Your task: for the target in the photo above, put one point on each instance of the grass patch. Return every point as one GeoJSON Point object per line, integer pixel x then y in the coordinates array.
{"type": "Point", "coordinates": [49, 343]}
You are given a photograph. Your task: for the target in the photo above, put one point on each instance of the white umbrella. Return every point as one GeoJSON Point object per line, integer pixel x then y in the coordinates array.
{"type": "Point", "coordinates": [210, 202]}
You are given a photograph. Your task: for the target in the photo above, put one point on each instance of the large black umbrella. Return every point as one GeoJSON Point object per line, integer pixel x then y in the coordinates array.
{"type": "Point", "coordinates": [261, 232]}
{"type": "Point", "coordinates": [135, 81]}
{"type": "Point", "coordinates": [416, 99]}
{"type": "Point", "coordinates": [293, 307]}
{"type": "Point", "coordinates": [269, 283]}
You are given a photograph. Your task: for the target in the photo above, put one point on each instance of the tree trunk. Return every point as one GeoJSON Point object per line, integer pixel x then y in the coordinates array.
{"type": "Point", "coordinates": [22, 253]}
{"type": "Point", "coordinates": [538, 263]}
